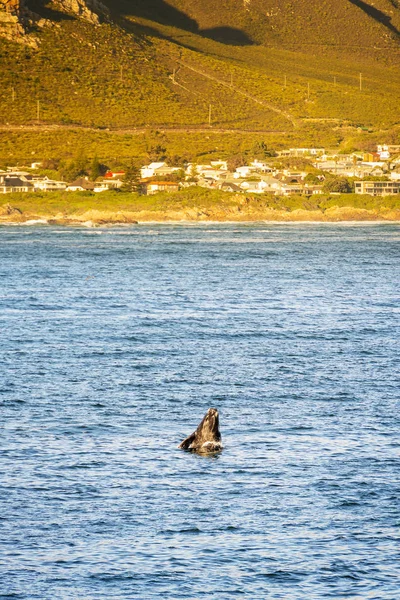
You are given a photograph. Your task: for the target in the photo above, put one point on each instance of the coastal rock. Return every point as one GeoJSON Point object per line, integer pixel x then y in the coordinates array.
{"type": "Point", "coordinates": [7, 210]}
{"type": "Point", "coordinates": [104, 217]}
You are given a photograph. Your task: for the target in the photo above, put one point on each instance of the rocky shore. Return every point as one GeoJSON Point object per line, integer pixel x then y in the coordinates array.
{"type": "Point", "coordinates": [10, 214]}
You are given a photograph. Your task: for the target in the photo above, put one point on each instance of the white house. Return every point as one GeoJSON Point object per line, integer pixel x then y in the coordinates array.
{"type": "Point", "coordinates": [157, 169]}
{"type": "Point", "coordinates": [386, 150]}
{"type": "Point", "coordinates": [211, 171]}
{"type": "Point", "coordinates": [148, 171]}
{"type": "Point", "coordinates": [302, 152]}
{"type": "Point", "coordinates": [254, 167]}
{"type": "Point", "coordinates": [244, 171]}
{"type": "Point", "coordinates": [263, 185]}
{"type": "Point", "coordinates": [288, 189]}
{"type": "Point", "coordinates": [48, 185]}
{"type": "Point", "coordinates": [377, 188]}
{"type": "Point", "coordinates": [253, 187]}
{"type": "Point", "coordinates": [107, 184]}
{"type": "Point", "coordinates": [260, 166]}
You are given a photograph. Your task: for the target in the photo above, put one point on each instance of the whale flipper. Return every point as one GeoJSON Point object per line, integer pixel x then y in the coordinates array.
{"type": "Point", "coordinates": [185, 445]}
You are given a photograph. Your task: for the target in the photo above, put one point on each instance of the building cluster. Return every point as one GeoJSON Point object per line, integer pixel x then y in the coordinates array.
{"type": "Point", "coordinates": [259, 177]}
{"type": "Point", "coordinates": [255, 178]}
{"type": "Point", "coordinates": [15, 180]}
{"type": "Point", "coordinates": [376, 173]}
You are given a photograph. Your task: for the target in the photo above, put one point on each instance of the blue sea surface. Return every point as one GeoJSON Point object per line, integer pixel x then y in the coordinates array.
{"type": "Point", "coordinates": [113, 344]}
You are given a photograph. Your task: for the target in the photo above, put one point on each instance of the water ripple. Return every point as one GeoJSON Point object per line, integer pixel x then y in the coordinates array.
{"type": "Point", "coordinates": [113, 344]}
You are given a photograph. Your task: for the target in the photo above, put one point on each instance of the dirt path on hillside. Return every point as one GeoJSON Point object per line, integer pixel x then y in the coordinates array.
{"type": "Point", "coordinates": [135, 130]}
{"type": "Point", "coordinates": [236, 90]}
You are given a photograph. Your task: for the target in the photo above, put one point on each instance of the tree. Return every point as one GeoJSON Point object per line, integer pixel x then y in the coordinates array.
{"type": "Point", "coordinates": [261, 151]}
{"type": "Point", "coordinates": [312, 178]}
{"type": "Point", "coordinates": [175, 160]}
{"type": "Point", "coordinates": [77, 167]}
{"type": "Point", "coordinates": [96, 169]}
{"type": "Point", "coordinates": [194, 174]}
{"type": "Point", "coordinates": [296, 162]}
{"type": "Point", "coordinates": [157, 153]}
{"type": "Point", "coordinates": [131, 179]}
{"type": "Point", "coordinates": [236, 161]}
{"type": "Point", "coordinates": [51, 164]}
{"type": "Point", "coordinates": [81, 162]}
{"type": "Point", "coordinates": [70, 170]}
{"type": "Point", "coordinates": [339, 185]}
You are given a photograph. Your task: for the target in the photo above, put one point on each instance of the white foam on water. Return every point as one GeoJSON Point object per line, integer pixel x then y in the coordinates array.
{"type": "Point", "coordinates": [35, 222]}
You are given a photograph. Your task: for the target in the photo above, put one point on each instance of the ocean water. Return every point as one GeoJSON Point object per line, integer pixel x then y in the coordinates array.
{"type": "Point", "coordinates": [113, 344]}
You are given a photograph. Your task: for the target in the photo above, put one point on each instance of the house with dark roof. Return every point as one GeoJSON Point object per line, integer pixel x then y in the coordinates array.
{"type": "Point", "coordinates": [82, 184]}
{"type": "Point", "coordinates": [11, 184]}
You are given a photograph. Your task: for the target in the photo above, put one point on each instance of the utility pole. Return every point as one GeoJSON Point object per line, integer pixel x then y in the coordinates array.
{"type": "Point", "coordinates": [360, 82]}
{"type": "Point", "coordinates": [173, 76]}
{"type": "Point", "coordinates": [38, 111]}
{"type": "Point", "coordinates": [209, 115]}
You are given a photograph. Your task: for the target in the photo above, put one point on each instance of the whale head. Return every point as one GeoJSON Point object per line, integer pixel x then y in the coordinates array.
{"type": "Point", "coordinates": [207, 438]}
{"type": "Point", "coordinates": [209, 427]}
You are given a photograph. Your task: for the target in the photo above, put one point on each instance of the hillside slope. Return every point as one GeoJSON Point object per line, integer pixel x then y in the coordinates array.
{"type": "Point", "coordinates": [363, 26]}
{"type": "Point", "coordinates": [248, 65]}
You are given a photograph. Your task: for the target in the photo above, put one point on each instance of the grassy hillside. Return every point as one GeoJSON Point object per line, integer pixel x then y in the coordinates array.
{"type": "Point", "coordinates": [117, 148]}
{"type": "Point", "coordinates": [158, 65]}
{"type": "Point", "coordinates": [348, 25]}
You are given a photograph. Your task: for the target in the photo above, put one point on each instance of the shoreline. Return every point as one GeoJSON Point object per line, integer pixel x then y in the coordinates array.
{"type": "Point", "coordinates": [194, 206]}
{"type": "Point", "coordinates": [118, 219]}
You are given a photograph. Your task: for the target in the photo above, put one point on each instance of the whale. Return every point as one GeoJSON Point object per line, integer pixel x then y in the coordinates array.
{"type": "Point", "coordinates": [206, 439]}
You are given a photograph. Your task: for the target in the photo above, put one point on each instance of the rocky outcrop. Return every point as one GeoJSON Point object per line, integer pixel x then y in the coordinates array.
{"type": "Point", "coordinates": [16, 19]}
{"type": "Point", "coordinates": [6, 210]}
{"type": "Point", "coordinates": [94, 217]}
{"type": "Point", "coordinates": [13, 20]}
{"type": "Point", "coordinates": [89, 10]}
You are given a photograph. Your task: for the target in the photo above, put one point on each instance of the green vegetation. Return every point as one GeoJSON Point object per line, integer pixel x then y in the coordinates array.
{"type": "Point", "coordinates": [177, 79]}
{"type": "Point", "coordinates": [139, 73]}
{"type": "Point", "coordinates": [323, 25]}
{"type": "Point", "coordinates": [338, 185]}
{"type": "Point", "coordinates": [117, 147]}
{"type": "Point", "coordinates": [197, 203]}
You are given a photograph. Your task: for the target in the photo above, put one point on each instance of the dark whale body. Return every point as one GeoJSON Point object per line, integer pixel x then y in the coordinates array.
{"type": "Point", "coordinates": [207, 438]}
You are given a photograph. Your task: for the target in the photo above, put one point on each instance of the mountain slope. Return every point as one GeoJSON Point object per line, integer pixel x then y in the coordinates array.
{"type": "Point", "coordinates": [247, 65]}
{"type": "Point", "coordinates": [342, 24]}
